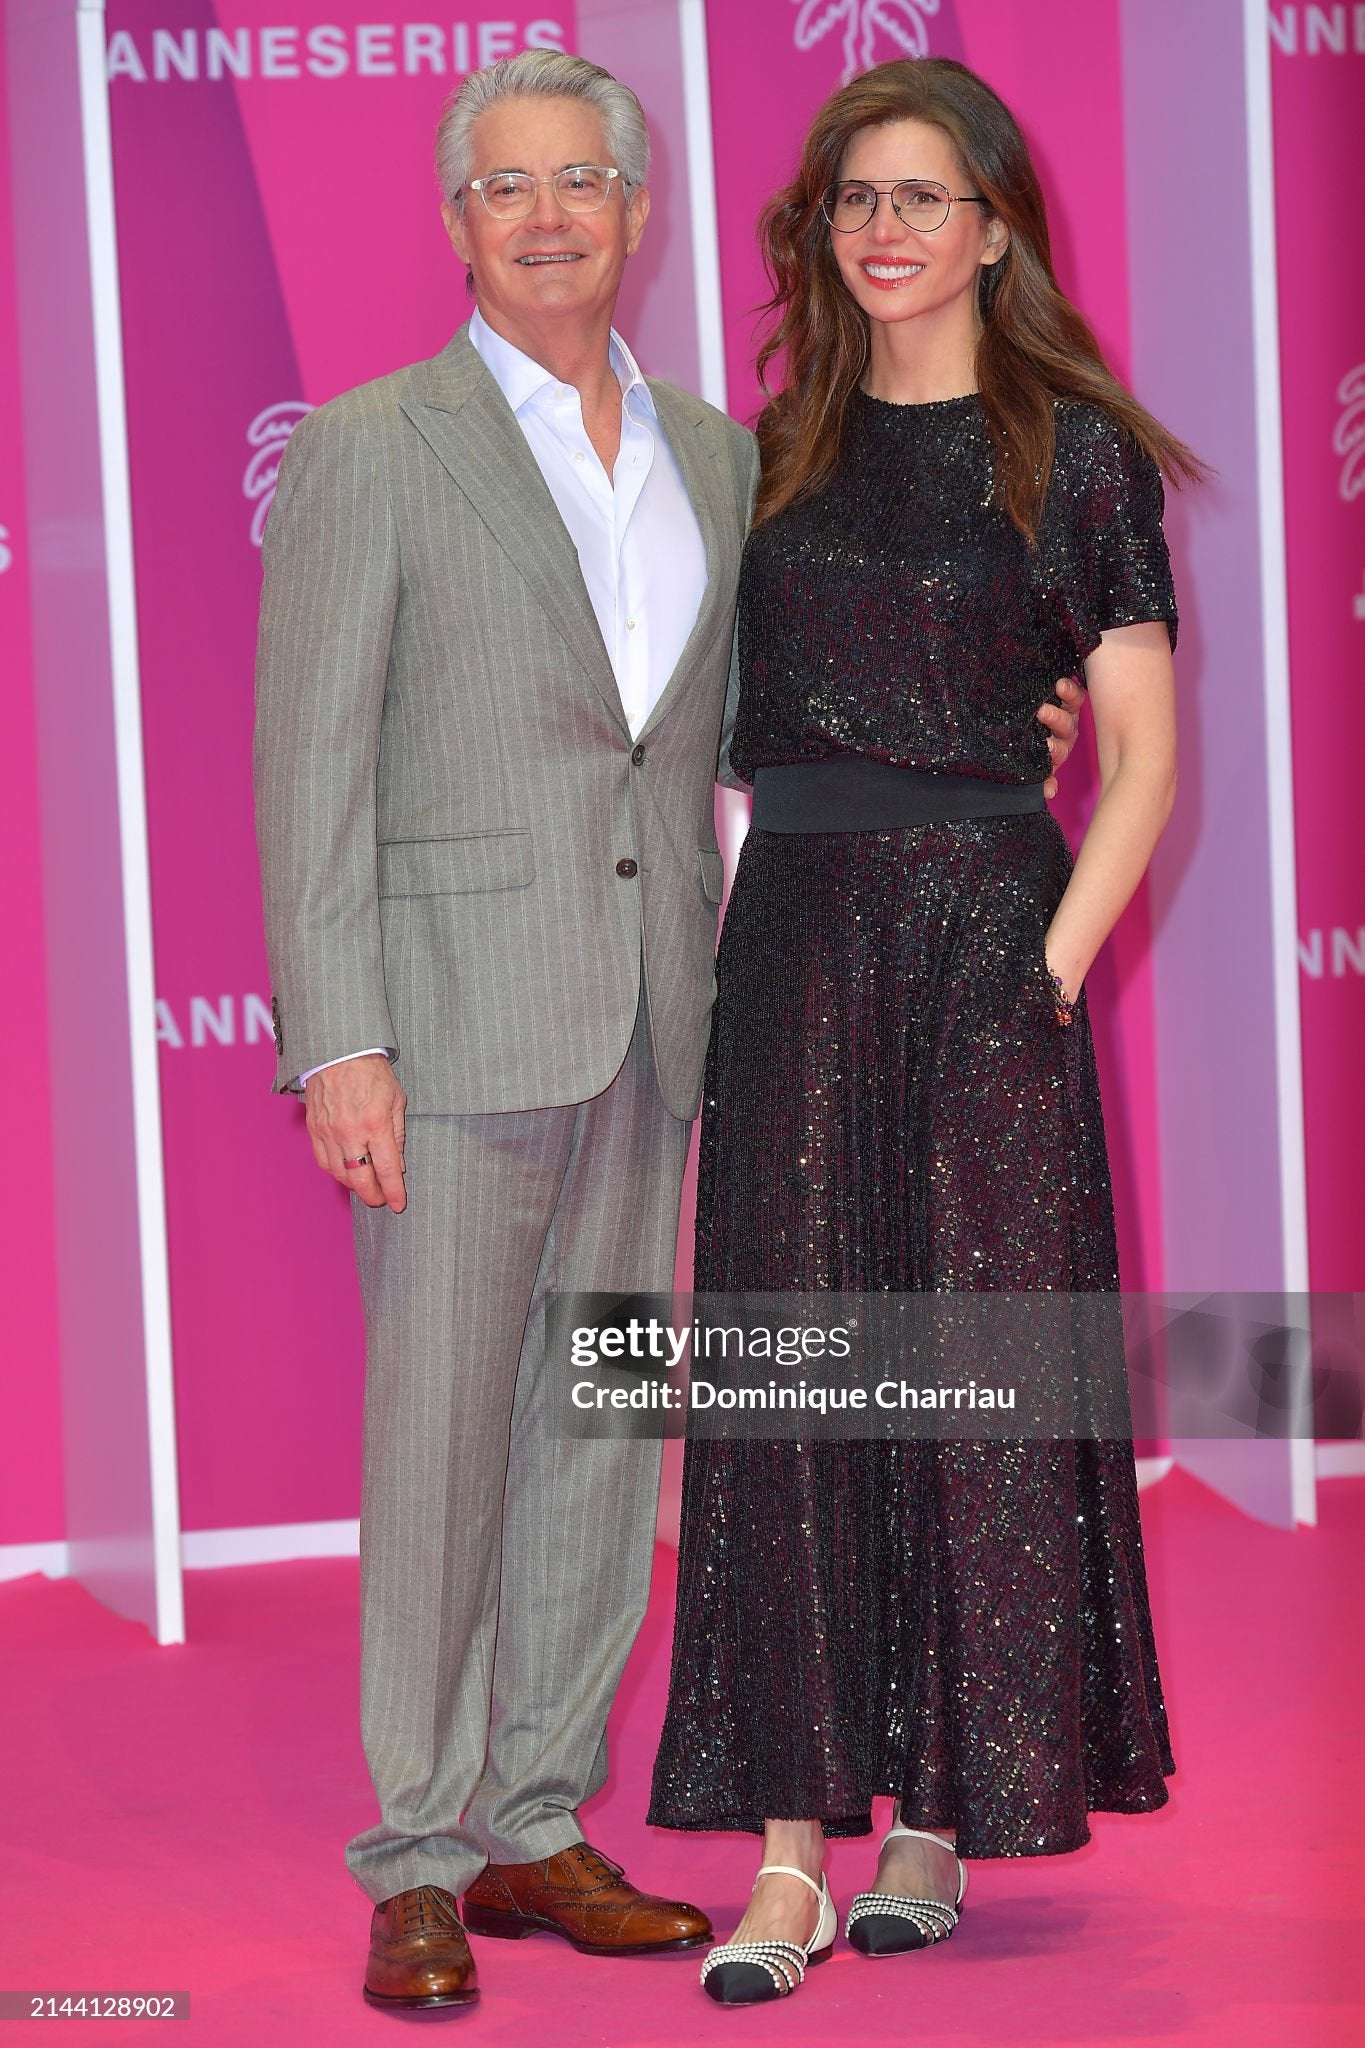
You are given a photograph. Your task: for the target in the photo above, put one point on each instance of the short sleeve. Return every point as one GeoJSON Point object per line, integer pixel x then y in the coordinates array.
{"type": "Point", "coordinates": [1119, 572]}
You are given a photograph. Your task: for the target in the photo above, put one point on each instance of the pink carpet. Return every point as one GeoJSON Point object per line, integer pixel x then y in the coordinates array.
{"type": "Point", "coordinates": [173, 1820]}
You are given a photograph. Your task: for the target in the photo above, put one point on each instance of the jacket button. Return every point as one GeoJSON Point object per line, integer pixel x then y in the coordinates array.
{"type": "Point", "coordinates": [637, 755]}
{"type": "Point", "coordinates": [627, 870]}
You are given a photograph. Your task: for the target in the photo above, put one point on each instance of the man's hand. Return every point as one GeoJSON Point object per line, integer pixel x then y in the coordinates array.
{"type": "Point", "coordinates": [1063, 722]}
{"type": "Point", "coordinates": [355, 1112]}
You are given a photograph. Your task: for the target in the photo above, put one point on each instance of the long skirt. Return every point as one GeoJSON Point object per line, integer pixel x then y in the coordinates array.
{"type": "Point", "coordinates": [892, 1104]}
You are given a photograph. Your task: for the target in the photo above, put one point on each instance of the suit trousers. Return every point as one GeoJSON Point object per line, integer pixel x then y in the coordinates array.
{"type": "Point", "coordinates": [504, 1571]}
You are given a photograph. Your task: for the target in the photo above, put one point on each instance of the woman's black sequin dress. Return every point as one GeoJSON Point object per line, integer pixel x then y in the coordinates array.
{"type": "Point", "coordinates": [891, 1104]}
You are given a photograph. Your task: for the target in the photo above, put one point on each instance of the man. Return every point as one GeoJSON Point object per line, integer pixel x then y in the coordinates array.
{"type": "Point", "coordinates": [495, 635]}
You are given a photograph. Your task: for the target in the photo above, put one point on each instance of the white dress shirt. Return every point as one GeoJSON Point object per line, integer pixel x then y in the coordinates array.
{"type": "Point", "coordinates": [639, 545]}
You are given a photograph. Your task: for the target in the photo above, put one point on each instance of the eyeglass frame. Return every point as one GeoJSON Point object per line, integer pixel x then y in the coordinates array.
{"type": "Point", "coordinates": [610, 172]}
{"type": "Point", "coordinates": [885, 190]}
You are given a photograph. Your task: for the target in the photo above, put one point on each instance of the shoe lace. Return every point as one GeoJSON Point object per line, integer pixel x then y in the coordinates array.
{"type": "Point", "coordinates": [426, 1910]}
{"type": "Point", "coordinates": [593, 1863]}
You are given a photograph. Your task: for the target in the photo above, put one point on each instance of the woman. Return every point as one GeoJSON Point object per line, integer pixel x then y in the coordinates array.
{"type": "Point", "coordinates": [959, 501]}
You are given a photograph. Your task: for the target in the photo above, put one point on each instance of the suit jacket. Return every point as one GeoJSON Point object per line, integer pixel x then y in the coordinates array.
{"type": "Point", "coordinates": [465, 855]}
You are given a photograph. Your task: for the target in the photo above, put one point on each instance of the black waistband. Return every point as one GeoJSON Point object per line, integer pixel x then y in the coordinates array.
{"type": "Point", "coordinates": [851, 793]}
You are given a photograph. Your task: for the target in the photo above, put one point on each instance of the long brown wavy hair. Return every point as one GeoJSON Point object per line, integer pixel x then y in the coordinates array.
{"type": "Point", "coordinates": [1033, 347]}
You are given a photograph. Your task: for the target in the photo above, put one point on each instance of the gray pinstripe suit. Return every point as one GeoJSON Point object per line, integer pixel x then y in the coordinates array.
{"type": "Point", "coordinates": [446, 784]}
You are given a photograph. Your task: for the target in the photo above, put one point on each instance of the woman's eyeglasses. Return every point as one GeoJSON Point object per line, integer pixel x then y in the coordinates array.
{"type": "Point", "coordinates": [919, 202]}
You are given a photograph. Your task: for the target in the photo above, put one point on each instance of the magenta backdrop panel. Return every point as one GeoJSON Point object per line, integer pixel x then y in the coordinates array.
{"type": "Point", "coordinates": [772, 63]}
{"type": "Point", "coordinates": [279, 241]}
{"type": "Point", "coordinates": [31, 1503]}
{"type": "Point", "coordinates": [1319, 87]}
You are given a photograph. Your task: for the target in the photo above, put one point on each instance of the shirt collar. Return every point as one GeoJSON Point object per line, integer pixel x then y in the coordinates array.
{"type": "Point", "coordinates": [521, 379]}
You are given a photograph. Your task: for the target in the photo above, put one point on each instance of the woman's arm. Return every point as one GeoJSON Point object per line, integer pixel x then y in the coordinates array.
{"type": "Point", "coordinates": [1132, 694]}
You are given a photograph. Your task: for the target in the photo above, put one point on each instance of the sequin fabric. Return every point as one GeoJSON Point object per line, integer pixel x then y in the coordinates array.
{"type": "Point", "coordinates": [902, 615]}
{"type": "Point", "coordinates": [890, 1104]}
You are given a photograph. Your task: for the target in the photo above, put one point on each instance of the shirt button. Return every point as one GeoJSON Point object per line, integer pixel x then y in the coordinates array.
{"type": "Point", "coordinates": [637, 755]}
{"type": "Point", "coordinates": [630, 625]}
{"type": "Point", "coordinates": [627, 870]}
{"type": "Point", "coordinates": [578, 455]}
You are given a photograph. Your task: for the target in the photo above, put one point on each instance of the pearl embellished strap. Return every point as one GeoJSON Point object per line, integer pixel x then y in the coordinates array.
{"type": "Point", "coordinates": [785, 1961]}
{"type": "Point", "coordinates": [934, 1919]}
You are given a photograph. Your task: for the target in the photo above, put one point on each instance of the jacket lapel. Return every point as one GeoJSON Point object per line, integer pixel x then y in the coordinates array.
{"type": "Point", "coordinates": [457, 408]}
{"type": "Point", "coordinates": [699, 453]}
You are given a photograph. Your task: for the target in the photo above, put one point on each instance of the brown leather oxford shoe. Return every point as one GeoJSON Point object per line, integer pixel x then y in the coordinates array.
{"type": "Point", "coordinates": [587, 1899]}
{"type": "Point", "coordinates": [419, 1953]}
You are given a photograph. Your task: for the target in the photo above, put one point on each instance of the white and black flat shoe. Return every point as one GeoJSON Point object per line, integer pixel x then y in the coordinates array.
{"type": "Point", "coordinates": [885, 1924]}
{"type": "Point", "coordinates": [753, 1972]}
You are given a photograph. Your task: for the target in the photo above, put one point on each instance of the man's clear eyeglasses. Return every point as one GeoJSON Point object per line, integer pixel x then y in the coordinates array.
{"type": "Point", "coordinates": [919, 202]}
{"type": "Point", "coordinates": [581, 188]}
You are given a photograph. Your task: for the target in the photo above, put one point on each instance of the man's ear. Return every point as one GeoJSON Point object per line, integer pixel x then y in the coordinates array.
{"type": "Point", "coordinates": [637, 213]}
{"type": "Point", "coordinates": [452, 213]}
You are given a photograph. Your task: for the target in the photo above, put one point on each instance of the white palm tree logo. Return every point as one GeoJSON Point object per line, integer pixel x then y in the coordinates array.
{"type": "Point", "coordinates": [266, 437]}
{"type": "Point", "coordinates": [1348, 439]}
{"type": "Point", "coordinates": [901, 20]}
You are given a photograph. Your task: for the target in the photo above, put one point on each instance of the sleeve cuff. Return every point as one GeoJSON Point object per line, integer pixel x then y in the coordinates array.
{"type": "Point", "coordinates": [341, 1059]}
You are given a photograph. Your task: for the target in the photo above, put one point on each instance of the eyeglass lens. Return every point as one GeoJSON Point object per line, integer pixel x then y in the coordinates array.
{"type": "Point", "coordinates": [580, 189]}
{"type": "Point", "coordinates": [918, 202]}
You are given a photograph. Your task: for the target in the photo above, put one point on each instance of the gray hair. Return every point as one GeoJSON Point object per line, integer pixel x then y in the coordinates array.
{"type": "Point", "coordinates": [540, 74]}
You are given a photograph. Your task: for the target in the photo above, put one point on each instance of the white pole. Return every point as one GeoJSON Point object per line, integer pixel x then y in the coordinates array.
{"type": "Point", "coordinates": [701, 188]}
{"type": "Point", "coordinates": [1265, 306]}
{"type": "Point", "coordinates": [132, 810]}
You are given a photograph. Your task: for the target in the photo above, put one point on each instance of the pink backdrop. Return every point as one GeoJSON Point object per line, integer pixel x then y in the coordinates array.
{"type": "Point", "coordinates": [30, 1422]}
{"type": "Point", "coordinates": [280, 242]}
{"type": "Point", "coordinates": [1320, 156]}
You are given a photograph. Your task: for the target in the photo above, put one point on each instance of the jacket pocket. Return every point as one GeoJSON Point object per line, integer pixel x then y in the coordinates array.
{"type": "Point", "coordinates": [457, 866]}
{"type": "Point", "coordinates": [712, 873]}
